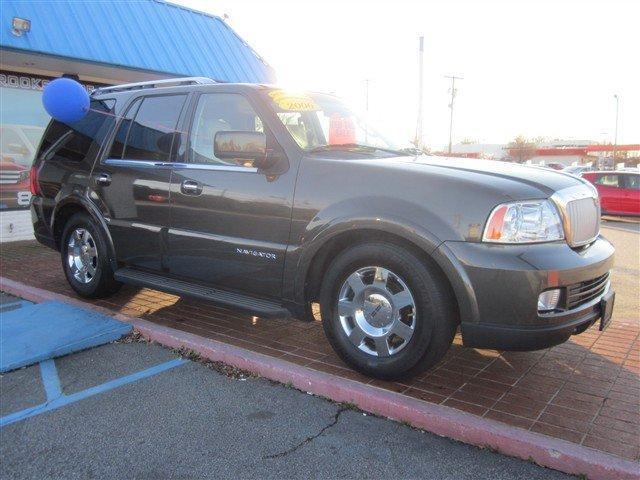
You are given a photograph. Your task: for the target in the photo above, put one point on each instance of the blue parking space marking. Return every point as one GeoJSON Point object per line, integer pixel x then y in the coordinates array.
{"type": "Point", "coordinates": [57, 399]}
{"type": "Point", "coordinates": [38, 332]}
{"type": "Point", "coordinates": [50, 379]}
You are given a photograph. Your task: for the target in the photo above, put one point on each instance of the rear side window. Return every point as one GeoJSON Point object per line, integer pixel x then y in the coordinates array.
{"type": "Point", "coordinates": [632, 182]}
{"type": "Point", "coordinates": [608, 181]}
{"type": "Point", "coordinates": [148, 129]}
{"type": "Point", "coordinates": [123, 130]}
{"type": "Point", "coordinates": [73, 141]}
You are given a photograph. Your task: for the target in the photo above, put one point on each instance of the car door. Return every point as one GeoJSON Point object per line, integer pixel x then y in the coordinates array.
{"type": "Point", "coordinates": [611, 193]}
{"type": "Point", "coordinates": [230, 222]}
{"type": "Point", "coordinates": [631, 201]}
{"type": "Point", "coordinates": [133, 180]}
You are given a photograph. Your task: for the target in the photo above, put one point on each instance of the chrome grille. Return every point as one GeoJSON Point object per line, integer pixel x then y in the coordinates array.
{"type": "Point", "coordinates": [584, 217]}
{"type": "Point", "coordinates": [580, 211]}
{"type": "Point", "coordinates": [9, 177]}
{"type": "Point", "coordinates": [581, 293]}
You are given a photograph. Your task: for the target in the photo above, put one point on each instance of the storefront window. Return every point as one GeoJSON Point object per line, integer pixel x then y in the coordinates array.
{"type": "Point", "coordinates": [22, 124]}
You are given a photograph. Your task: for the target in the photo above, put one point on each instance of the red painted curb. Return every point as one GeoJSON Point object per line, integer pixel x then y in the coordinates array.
{"type": "Point", "coordinates": [541, 449]}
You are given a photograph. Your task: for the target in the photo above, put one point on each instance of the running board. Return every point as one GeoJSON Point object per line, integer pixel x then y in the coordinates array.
{"type": "Point", "coordinates": [255, 306]}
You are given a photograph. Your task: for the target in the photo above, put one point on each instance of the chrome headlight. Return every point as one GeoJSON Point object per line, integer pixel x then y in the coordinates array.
{"type": "Point", "coordinates": [531, 221]}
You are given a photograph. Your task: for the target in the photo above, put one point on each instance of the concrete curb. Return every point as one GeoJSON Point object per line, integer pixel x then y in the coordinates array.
{"type": "Point", "coordinates": [611, 218]}
{"type": "Point", "coordinates": [448, 422]}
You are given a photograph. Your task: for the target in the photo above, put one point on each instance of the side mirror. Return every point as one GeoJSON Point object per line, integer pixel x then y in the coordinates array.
{"type": "Point", "coordinates": [236, 145]}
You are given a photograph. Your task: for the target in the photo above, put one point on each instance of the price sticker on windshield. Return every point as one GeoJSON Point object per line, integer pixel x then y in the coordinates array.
{"type": "Point", "coordinates": [293, 102]}
{"type": "Point", "coordinates": [342, 130]}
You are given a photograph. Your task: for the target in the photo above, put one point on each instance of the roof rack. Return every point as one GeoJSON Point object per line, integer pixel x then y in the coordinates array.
{"type": "Point", "coordinates": [167, 82]}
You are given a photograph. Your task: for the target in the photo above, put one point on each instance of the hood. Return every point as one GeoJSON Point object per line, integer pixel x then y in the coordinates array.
{"type": "Point", "coordinates": [540, 181]}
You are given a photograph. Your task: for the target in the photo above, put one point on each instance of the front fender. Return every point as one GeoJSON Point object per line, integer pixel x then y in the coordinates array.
{"type": "Point", "coordinates": [320, 231]}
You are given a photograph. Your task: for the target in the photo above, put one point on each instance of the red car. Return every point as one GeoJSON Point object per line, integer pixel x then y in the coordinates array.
{"type": "Point", "coordinates": [619, 191]}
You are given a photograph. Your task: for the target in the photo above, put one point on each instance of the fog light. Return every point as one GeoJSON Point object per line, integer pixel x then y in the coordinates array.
{"type": "Point", "coordinates": [548, 300]}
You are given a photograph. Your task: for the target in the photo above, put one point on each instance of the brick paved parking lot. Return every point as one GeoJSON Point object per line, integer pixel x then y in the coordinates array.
{"type": "Point", "coordinates": [585, 391]}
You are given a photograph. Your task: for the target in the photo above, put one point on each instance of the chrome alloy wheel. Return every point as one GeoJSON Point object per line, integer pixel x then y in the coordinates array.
{"type": "Point", "coordinates": [377, 311]}
{"type": "Point", "coordinates": [82, 255]}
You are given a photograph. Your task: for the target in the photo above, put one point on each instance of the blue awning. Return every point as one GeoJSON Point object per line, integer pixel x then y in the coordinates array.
{"type": "Point", "coordinates": [148, 35]}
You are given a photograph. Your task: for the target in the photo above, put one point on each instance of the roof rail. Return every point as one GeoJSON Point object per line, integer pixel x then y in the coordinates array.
{"type": "Point", "coordinates": [167, 82]}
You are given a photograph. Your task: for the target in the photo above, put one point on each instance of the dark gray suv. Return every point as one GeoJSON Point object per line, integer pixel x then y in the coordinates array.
{"type": "Point", "coordinates": [268, 201]}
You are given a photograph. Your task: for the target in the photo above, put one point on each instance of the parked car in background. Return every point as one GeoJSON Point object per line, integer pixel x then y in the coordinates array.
{"type": "Point", "coordinates": [555, 166]}
{"type": "Point", "coordinates": [577, 170]}
{"type": "Point", "coordinates": [18, 144]}
{"type": "Point", "coordinates": [619, 191]}
{"type": "Point", "coordinates": [14, 185]}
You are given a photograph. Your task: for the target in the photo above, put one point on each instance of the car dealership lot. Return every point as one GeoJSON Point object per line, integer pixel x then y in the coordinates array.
{"type": "Point", "coordinates": [191, 421]}
{"type": "Point", "coordinates": [585, 391]}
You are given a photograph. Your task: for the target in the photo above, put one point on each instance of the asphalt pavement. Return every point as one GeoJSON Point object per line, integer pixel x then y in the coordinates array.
{"type": "Point", "coordinates": [190, 421]}
{"type": "Point", "coordinates": [628, 225]}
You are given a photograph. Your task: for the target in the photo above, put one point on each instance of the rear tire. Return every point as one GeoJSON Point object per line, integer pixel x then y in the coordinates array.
{"type": "Point", "coordinates": [399, 293]}
{"type": "Point", "coordinates": [85, 258]}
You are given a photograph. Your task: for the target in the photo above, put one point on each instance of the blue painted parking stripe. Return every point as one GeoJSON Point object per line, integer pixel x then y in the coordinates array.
{"type": "Point", "coordinates": [50, 380]}
{"type": "Point", "coordinates": [64, 400]}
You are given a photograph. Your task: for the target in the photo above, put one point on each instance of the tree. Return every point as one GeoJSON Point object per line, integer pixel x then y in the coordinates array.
{"type": "Point", "coordinates": [522, 149]}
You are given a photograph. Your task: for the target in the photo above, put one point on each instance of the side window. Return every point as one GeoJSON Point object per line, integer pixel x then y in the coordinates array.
{"type": "Point", "coordinates": [217, 112]}
{"type": "Point", "coordinates": [72, 141]}
{"type": "Point", "coordinates": [632, 182]}
{"type": "Point", "coordinates": [117, 148]}
{"type": "Point", "coordinates": [153, 129]}
{"type": "Point", "coordinates": [608, 181]}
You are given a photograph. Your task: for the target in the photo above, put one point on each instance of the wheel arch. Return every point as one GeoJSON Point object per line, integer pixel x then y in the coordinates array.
{"type": "Point", "coordinates": [68, 207]}
{"type": "Point", "coordinates": [424, 246]}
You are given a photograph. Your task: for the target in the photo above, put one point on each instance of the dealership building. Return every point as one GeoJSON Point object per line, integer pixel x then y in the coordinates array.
{"type": "Point", "coordinates": [97, 43]}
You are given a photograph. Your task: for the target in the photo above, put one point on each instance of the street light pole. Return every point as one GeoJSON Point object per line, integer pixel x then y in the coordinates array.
{"type": "Point", "coordinates": [366, 106]}
{"type": "Point", "coordinates": [366, 95]}
{"type": "Point", "coordinates": [453, 96]}
{"type": "Point", "coordinates": [418, 138]}
{"type": "Point", "coordinates": [615, 135]}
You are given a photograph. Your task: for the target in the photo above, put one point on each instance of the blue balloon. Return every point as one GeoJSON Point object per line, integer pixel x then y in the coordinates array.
{"type": "Point", "coordinates": [65, 100]}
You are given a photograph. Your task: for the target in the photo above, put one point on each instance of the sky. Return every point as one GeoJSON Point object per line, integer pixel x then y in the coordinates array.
{"type": "Point", "coordinates": [530, 67]}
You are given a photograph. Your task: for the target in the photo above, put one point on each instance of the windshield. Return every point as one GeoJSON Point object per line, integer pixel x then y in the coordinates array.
{"type": "Point", "coordinates": [321, 123]}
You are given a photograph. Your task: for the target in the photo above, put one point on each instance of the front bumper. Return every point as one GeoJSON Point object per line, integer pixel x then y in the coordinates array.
{"type": "Point", "coordinates": [504, 282]}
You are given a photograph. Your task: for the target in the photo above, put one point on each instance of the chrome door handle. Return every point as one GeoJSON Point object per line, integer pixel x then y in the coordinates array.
{"type": "Point", "coordinates": [189, 187]}
{"type": "Point", "coordinates": [103, 179]}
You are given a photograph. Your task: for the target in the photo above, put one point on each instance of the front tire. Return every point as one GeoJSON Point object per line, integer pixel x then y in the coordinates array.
{"type": "Point", "coordinates": [85, 259]}
{"type": "Point", "coordinates": [386, 312]}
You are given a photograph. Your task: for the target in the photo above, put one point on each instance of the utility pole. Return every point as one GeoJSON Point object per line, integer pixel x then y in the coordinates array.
{"type": "Point", "coordinates": [366, 108]}
{"type": "Point", "coordinates": [453, 96]}
{"type": "Point", "coordinates": [615, 135]}
{"type": "Point", "coordinates": [366, 95]}
{"type": "Point", "coordinates": [418, 138]}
